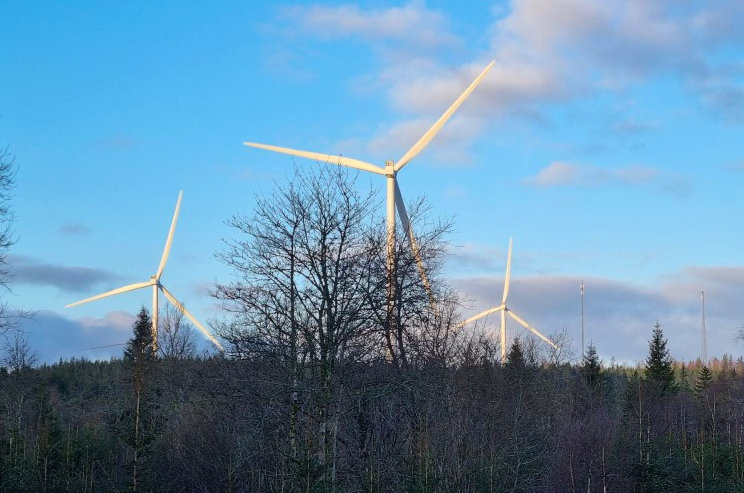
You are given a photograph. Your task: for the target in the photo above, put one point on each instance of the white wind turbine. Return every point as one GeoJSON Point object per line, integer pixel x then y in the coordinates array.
{"type": "Point", "coordinates": [506, 310]}
{"type": "Point", "coordinates": [156, 285]}
{"type": "Point", "coordinates": [394, 196]}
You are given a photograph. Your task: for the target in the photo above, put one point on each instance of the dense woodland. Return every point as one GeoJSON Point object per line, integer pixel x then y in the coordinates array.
{"type": "Point", "coordinates": [229, 424]}
{"type": "Point", "coordinates": [328, 384]}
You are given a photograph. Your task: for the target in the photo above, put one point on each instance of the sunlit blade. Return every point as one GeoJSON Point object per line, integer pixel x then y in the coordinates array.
{"type": "Point", "coordinates": [169, 241]}
{"type": "Point", "coordinates": [123, 289]}
{"type": "Point", "coordinates": [194, 321]}
{"type": "Point", "coordinates": [323, 158]}
{"type": "Point", "coordinates": [508, 273]}
{"type": "Point", "coordinates": [403, 214]}
{"type": "Point", "coordinates": [530, 328]}
{"type": "Point", "coordinates": [480, 315]}
{"type": "Point", "coordinates": [432, 132]}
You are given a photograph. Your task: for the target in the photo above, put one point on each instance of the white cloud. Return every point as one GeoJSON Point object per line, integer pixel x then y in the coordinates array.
{"type": "Point", "coordinates": [117, 320]}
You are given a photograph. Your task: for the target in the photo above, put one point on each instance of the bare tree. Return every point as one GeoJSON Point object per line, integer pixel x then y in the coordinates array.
{"type": "Point", "coordinates": [300, 288]}
{"type": "Point", "coordinates": [176, 335]}
{"type": "Point", "coordinates": [17, 353]}
{"type": "Point", "coordinates": [7, 182]}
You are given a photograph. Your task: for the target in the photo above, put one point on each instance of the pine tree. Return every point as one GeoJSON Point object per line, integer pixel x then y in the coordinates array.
{"type": "Point", "coordinates": [591, 368]}
{"type": "Point", "coordinates": [140, 345]}
{"type": "Point", "coordinates": [659, 368]}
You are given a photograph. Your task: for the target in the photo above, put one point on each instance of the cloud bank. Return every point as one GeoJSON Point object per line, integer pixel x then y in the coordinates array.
{"type": "Point", "coordinates": [28, 270]}
{"type": "Point", "coordinates": [619, 316]}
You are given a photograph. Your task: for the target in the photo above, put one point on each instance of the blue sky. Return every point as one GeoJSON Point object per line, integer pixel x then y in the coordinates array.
{"type": "Point", "coordinates": [607, 141]}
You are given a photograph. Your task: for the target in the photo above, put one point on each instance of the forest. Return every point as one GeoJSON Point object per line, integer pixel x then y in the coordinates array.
{"type": "Point", "coordinates": [327, 384]}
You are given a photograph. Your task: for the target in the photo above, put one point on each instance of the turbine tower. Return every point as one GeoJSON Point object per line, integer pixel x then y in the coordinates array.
{"type": "Point", "coordinates": [394, 196]}
{"type": "Point", "coordinates": [704, 341]}
{"type": "Point", "coordinates": [157, 285]}
{"type": "Point", "coordinates": [581, 289]}
{"type": "Point", "coordinates": [506, 310]}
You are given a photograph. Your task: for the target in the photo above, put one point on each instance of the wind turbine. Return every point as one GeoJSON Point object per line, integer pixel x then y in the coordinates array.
{"type": "Point", "coordinates": [394, 196]}
{"type": "Point", "coordinates": [157, 285]}
{"type": "Point", "coordinates": [506, 310]}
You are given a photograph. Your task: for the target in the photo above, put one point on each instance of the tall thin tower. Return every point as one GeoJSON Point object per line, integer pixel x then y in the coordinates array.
{"type": "Point", "coordinates": [704, 342]}
{"type": "Point", "coordinates": [581, 288]}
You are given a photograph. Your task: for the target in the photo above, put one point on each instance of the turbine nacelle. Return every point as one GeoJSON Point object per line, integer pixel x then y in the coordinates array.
{"type": "Point", "coordinates": [390, 171]}
{"type": "Point", "coordinates": [155, 283]}
{"type": "Point", "coordinates": [505, 310]}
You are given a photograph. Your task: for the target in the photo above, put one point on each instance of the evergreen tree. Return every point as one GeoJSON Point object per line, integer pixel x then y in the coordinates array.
{"type": "Point", "coordinates": [591, 368]}
{"type": "Point", "coordinates": [684, 379]}
{"type": "Point", "coordinates": [659, 368]}
{"type": "Point", "coordinates": [515, 356]}
{"type": "Point", "coordinates": [140, 345]}
{"type": "Point", "coordinates": [137, 425]}
{"type": "Point", "coordinates": [703, 379]}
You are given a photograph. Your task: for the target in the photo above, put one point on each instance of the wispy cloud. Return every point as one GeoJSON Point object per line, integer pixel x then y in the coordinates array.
{"type": "Point", "coordinates": [479, 257]}
{"type": "Point", "coordinates": [28, 270]}
{"type": "Point", "coordinates": [737, 166]}
{"type": "Point", "coordinates": [411, 23]}
{"type": "Point", "coordinates": [546, 53]}
{"type": "Point", "coordinates": [633, 127]}
{"type": "Point", "coordinates": [116, 143]}
{"type": "Point", "coordinates": [562, 174]}
{"type": "Point", "coordinates": [73, 229]}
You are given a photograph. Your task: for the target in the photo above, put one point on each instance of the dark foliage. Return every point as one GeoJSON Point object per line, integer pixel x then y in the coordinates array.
{"type": "Point", "coordinates": [659, 368]}
{"type": "Point", "coordinates": [223, 425]}
{"type": "Point", "coordinates": [140, 345]}
{"type": "Point", "coordinates": [591, 367]}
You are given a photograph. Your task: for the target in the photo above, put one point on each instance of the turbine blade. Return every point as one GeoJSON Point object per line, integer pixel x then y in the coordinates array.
{"type": "Point", "coordinates": [432, 132]}
{"type": "Point", "coordinates": [480, 315]}
{"type": "Point", "coordinates": [193, 319]}
{"type": "Point", "coordinates": [530, 328]}
{"type": "Point", "coordinates": [323, 158]}
{"type": "Point", "coordinates": [403, 214]}
{"type": "Point", "coordinates": [169, 241]}
{"type": "Point", "coordinates": [123, 289]}
{"type": "Point", "coordinates": [507, 278]}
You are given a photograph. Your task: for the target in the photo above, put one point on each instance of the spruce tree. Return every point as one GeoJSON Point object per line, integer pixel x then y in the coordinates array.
{"type": "Point", "coordinates": [515, 356]}
{"type": "Point", "coordinates": [140, 345]}
{"type": "Point", "coordinates": [703, 379]}
{"type": "Point", "coordinates": [591, 368]}
{"type": "Point", "coordinates": [138, 428]}
{"type": "Point", "coordinates": [659, 368]}
{"type": "Point", "coordinates": [684, 379]}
